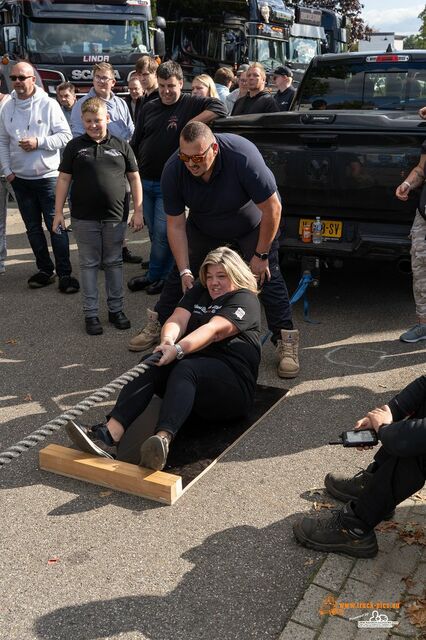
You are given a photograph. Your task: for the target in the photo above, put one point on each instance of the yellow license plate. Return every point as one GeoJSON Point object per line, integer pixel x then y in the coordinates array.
{"type": "Point", "coordinates": [330, 228]}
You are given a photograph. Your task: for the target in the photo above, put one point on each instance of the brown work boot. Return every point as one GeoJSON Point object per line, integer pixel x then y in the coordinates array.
{"type": "Point", "coordinates": [149, 335]}
{"type": "Point", "coordinates": [288, 353]}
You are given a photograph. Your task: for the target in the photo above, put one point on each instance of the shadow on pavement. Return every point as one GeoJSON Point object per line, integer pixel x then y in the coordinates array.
{"type": "Point", "coordinates": [231, 592]}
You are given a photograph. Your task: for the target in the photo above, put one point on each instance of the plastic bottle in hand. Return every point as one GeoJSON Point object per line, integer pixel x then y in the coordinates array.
{"type": "Point", "coordinates": [317, 231]}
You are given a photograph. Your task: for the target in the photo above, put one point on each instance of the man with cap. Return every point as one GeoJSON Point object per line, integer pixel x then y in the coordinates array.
{"type": "Point", "coordinates": [241, 89]}
{"type": "Point", "coordinates": [283, 79]}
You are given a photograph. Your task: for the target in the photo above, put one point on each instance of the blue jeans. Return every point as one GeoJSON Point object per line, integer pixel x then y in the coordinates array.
{"type": "Point", "coordinates": [100, 243]}
{"type": "Point", "coordinates": [3, 210]}
{"type": "Point", "coordinates": [161, 257]}
{"type": "Point", "coordinates": [36, 202]}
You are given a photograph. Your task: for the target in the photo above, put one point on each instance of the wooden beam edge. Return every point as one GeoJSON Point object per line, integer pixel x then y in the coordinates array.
{"type": "Point", "coordinates": [153, 485]}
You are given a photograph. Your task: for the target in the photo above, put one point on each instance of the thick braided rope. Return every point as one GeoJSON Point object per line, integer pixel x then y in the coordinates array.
{"type": "Point", "coordinates": [50, 427]}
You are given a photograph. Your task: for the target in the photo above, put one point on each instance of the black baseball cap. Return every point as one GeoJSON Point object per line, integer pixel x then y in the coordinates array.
{"type": "Point", "coordinates": [282, 71]}
{"type": "Point", "coordinates": [242, 68]}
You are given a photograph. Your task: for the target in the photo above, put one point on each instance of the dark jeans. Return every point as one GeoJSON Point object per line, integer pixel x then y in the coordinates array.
{"type": "Point", "coordinates": [160, 257]}
{"type": "Point", "coordinates": [206, 386]}
{"type": "Point", "coordinates": [36, 202]}
{"type": "Point", "coordinates": [395, 479]}
{"type": "Point", "coordinates": [274, 294]}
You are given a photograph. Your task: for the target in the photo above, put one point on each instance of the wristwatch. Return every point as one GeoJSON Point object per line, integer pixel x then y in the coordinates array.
{"type": "Point", "coordinates": [180, 351]}
{"type": "Point", "coordinates": [262, 256]}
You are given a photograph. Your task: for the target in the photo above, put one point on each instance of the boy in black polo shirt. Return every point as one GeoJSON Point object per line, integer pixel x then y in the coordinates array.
{"type": "Point", "coordinates": [96, 165]}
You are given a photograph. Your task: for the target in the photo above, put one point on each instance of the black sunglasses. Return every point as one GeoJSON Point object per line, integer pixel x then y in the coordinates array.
{"type": "Point", "coordinates": [20, 78]}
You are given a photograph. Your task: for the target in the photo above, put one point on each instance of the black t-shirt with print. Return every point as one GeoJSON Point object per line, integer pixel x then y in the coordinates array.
{"type": "Point", "coordinates": [240, 352]}
{"type": "Point", "coordinates": [158, 128]}
{"type": "Point", "coordinates": [98, 171]}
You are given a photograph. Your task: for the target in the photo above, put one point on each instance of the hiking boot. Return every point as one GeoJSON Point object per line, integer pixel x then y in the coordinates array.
{"type": "Point", "coordinates": [340, 532]}
{"type": "Point", "coordinates": [343, 488]}
{"type": "Point", "coordinates": [119, 320]}
{"type": "Point", "coordinates": [415, 334]}
{"type": "Point", "coordinates": [288, 353]}
{"type": "Point", "coordinates": [154, 452]}
{"type": "Point", "coordinates": [83, 437]}
{"type": "Point", "coordinates": [149, 335]}
{"type": "Point", "coordinates": [40, 279]}
{"type": "Point", "coordinates": [128, 256]}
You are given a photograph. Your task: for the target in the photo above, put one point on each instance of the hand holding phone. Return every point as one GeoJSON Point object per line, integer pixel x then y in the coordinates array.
{"type": "Point", "coordinates": [359, 438]}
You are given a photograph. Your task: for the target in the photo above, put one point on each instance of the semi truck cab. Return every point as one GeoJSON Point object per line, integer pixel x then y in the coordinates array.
{"type": "Point", "coordinates": [64, 39]}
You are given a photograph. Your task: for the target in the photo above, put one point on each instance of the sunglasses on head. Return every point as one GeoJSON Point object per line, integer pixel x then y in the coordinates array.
{"type": "Point", "coordinates": [197, 158]}
{"type": "Point", "coordinates": [20, 78]}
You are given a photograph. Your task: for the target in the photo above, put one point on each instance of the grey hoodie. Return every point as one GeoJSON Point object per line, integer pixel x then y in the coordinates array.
{"type": "Point", "coordinates": [38, 116]}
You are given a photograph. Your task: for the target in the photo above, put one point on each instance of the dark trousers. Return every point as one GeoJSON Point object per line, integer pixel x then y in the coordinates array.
{"type": "Point", "coordinates": [206, 386]}
{"type": "Point", "coordinates": [274, 294]}
{"type": "Point", "coordinates": [36, 202]}
{"type": "Point", "coordinates": [395, 479]}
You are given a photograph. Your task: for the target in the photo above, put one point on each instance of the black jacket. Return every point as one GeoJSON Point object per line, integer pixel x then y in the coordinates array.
{"type": "Point", "coordinates": [406, 436]}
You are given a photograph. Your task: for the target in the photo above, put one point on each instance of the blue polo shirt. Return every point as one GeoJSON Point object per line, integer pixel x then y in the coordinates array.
{"type": "Point", "coordinates": [225, 206]}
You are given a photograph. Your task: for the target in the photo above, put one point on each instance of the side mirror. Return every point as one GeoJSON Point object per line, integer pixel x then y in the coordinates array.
{"type": "Point", "coordinates": [160, 22]}
{"type": "Point", "coordinates": [159, 43]}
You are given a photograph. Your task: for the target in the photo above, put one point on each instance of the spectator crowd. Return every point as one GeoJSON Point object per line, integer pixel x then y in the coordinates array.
{"type": "Point", "coordinates": [200, 194]}
{"type": "Point", "coordinates": [96, 151]}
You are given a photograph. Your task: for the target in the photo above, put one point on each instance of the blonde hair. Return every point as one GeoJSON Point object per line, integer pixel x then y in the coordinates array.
{"type": "Point", "coordinates": [104, 67]}
{"type": "Point", "coordinates": [258, 65]}
{"type": "Point", "coordinates": [93, 105]}
{"type": "Point", "coordinates": [236, 269]}
{"type": "Point", "coordinates": [207, 81]}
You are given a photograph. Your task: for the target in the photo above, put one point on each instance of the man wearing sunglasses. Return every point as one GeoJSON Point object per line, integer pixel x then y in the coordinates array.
{"type": "Point", "coordinates": [33, 129]}
{"type": "Point", "coordinates": [232, 200]}
{"type": "Point", "coordinates": [156, 137]}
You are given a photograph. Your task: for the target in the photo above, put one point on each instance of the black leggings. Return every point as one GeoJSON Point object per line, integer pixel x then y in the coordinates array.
{"type": "Point", "coordinates": [204, 385]}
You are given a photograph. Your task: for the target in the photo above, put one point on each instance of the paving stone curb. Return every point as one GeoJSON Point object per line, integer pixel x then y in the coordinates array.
{"type": "Point", "coordinates": [397, 573]}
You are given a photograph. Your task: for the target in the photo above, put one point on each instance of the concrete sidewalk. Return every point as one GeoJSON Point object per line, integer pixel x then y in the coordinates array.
{"type": "Point", "coordinates": [394, 577]}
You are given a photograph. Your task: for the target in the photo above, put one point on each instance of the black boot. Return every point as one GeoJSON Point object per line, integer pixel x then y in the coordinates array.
{"type": "Point", "coordinates": [119, 320]}
{"type": "Point", "coordinates": [343, 488]}
{"type": "Point", "coordinates": [128, 256]}
{"type": "Point", "coordinates": [341, 532]}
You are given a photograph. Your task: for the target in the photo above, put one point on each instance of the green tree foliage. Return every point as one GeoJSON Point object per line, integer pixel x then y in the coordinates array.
{"type": "Point", "coordinates": [418, 40]}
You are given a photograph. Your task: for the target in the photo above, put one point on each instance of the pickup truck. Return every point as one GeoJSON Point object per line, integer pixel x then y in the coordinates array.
{"type": "Point", "coordinates": [353, 133]}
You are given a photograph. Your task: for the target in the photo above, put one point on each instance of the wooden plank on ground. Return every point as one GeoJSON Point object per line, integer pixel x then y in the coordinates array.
{"type": "Point", "coordinates": [114, 474]}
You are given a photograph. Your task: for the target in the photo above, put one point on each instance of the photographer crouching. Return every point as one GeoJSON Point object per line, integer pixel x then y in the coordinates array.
{"type": "Point", "coordinates": [398, 471]}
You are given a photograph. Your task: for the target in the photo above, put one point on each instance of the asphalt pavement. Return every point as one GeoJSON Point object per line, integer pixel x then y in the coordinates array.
{"type": "Point", "coordinates": [81, 562]}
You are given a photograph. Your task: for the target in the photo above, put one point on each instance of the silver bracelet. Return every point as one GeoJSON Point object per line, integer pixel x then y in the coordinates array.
{"type": "Point", "coordinates": [407, 183]}
{"type": "Point", "coordinates": [185, 272]}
